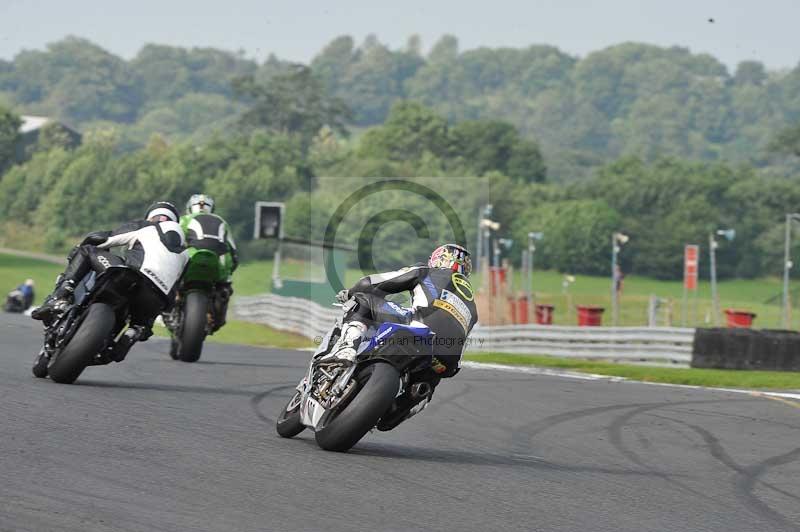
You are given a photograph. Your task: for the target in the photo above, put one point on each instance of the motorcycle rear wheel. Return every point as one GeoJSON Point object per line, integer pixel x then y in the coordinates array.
{"type": "Point", "coordinates": [362, 413]}
{"type": "Point", "coordinates": [193, 328]}
{"type": "Point", "coordinates": [90, 338]}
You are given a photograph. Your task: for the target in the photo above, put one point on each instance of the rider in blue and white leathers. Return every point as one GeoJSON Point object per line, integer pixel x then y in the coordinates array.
{"type": "Point", "coordinates": [441, 298]}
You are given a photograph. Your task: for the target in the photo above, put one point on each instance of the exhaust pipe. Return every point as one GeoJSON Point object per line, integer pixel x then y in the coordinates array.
{"type": "Point", "coordinates": [421, 390]}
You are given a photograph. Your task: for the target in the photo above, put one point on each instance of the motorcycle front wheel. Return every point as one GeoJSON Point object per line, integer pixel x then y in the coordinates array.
{"type": "Point", "coordinates": [362, 413]}
{"type": "Point", "coordinates": [40, 365]}
{"type": "Point", "coordinates": [288, 424]}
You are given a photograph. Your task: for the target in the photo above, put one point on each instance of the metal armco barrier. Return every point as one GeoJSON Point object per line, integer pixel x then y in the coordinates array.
{"type": "Point", "coordinates": [311, 320]}
{"type": "Point", "coordinates": [634, 343]}
{"type": "Point", "coordinates": [292, 314]}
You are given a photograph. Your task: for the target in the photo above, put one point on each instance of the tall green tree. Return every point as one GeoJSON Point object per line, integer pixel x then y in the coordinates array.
{"type": "Point", "coordinates": [493, 145]}
{"type": "Point", "coordinates": [578, 233]}
{"type": "Point", "coordinates": [787, 141]}
{"type": "Point", "coordinates": [294, 103]}
{"type": "Point", "coordinates": [9, 137]}
{"type": "Point", "coordinates": [410, 130]}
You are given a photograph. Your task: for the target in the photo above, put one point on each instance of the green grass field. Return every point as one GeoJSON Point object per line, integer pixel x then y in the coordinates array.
{"type": "Point", "coordinates": [14, 271]}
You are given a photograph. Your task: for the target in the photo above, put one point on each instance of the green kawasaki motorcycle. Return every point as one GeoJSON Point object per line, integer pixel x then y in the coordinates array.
{"type": "Point", "coordinates": [205, 288]}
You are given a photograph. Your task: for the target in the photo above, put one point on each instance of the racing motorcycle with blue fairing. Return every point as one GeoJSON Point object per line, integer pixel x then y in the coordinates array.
{"type": "Point", "coordinates": [342, 401]}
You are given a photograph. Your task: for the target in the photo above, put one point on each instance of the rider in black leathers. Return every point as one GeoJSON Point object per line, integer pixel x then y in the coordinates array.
{"type": "Point", "coordinates": [155, 246]}
{"type": "Point", "coordinates": [441, 298]}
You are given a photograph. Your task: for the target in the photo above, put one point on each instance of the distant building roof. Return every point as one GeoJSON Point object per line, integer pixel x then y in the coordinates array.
{"type": "Point", "coordinates": [32, 123]}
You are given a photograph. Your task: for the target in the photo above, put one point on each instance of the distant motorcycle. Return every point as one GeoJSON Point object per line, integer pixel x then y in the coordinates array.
{"type": "Point", "coordinates": [194, 315]}
{"type": "Point", "coordinates": [15, 302]}
{"type": "Point", "coordinates": [88, 332]}
{"type": "Point", "coordinates": [341, 402]}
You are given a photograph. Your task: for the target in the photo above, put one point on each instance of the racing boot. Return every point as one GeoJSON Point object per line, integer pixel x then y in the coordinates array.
{"type": "Point", "coordinates": [56, 303]}
{"type": "Point", "coordinates": [63, 296]}
{"type": "Point", "coordinates": [344, 349]}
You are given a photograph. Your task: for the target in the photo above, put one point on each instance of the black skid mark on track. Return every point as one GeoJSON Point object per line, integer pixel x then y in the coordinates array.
{"type": "Point", "coordinates": [255, 401]}
{"type": "Point", "coordinates": [748, 476]}
{"type": "Point", "coordinates": [521, 437]}
{"type": "Point", "coordinates": [615, 438]}
{"type": "Point", "coordinates": [747, 483]}
{"type": "Point", "coordinates": [738, 417]}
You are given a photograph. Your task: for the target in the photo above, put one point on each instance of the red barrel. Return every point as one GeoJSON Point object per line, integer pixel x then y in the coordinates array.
{"type": "Point", "coordinates": [544, 314]}
{"type": "Point", "coordinates": [590, 316]}
{"type": "Point", "coordinates": [739, 319]}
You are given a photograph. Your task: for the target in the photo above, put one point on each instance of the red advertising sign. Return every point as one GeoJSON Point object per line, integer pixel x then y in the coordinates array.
{"type": "Point", "coordinates": [691, 258]}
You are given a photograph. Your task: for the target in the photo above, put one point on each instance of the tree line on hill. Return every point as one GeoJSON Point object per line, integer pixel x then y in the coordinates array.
{"type": "Point", "coordinates": [279, 156]}
{"type": "Point", "coordinates": [664, 145]}
{"type": "Point", "coordinates": [626, 100]}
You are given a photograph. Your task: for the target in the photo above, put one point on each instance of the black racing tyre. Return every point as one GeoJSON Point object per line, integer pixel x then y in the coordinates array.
{"type": "Point", "coordinates": [90, 338]}
{"type": "Point", "coordinates": [362, 413]}
{"type": "Point", "coordinates": [193, 328]}
{"type": "Point", "coordinates": [40, 365]}
{"type": "Point", "coordinates": [288, 424]}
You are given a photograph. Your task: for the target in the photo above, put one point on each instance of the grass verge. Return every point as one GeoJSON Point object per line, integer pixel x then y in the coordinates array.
{"type": "Point", "coordinates": [698, 377]}
{"type": "Point", "coordinates": [244, 333]}
{"type": "Point", "coordinates": [14, 270]}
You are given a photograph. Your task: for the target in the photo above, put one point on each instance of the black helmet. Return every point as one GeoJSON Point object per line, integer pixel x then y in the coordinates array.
{"type": "Point", "coordinates": [162, 208]}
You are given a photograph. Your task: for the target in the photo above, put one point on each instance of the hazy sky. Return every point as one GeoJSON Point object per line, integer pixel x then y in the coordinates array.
{"type": "Point", "coordinates": [766, 30]}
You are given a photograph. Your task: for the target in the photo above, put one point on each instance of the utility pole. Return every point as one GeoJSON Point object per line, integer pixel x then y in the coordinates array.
{"type": "Point", "coordinates": [532, 236]}
{"type": "Point", "coordinates": [492, 252]}
{"type": "Point", "coordinates": [712, 247]}
{"type": "Point", "coordinates": [483, 235]}
{"type": "Point", "coordinates": [787, 265]}
{"type": "Point", "coordinates": [617, 240]}
{"type": "Point", "coordinates": [712, 250]}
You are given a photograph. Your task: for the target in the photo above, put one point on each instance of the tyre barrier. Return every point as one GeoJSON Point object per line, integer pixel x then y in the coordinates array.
{"type": "Point", "coordinates": [752, 349]}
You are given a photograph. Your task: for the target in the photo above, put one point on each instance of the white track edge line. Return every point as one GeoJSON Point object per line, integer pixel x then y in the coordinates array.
{"type": "Point", "coordinates": [536, 370]}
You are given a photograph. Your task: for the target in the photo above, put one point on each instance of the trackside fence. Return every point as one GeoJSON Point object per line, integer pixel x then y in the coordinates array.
{"type": "Point", "coordinates": [311, 320]}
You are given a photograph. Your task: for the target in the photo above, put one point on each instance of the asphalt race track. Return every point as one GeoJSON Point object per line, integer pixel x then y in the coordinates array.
{"type": "Point", "coordinates": [152, 445]}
